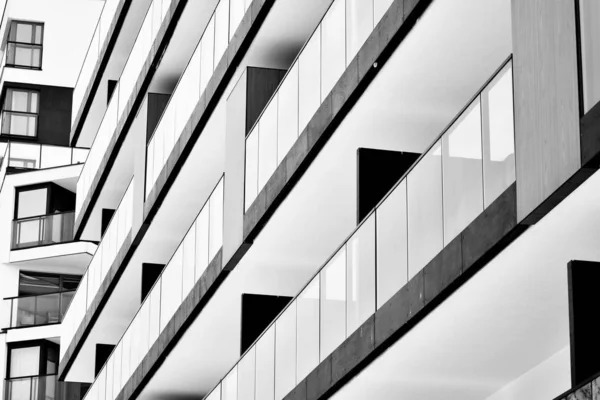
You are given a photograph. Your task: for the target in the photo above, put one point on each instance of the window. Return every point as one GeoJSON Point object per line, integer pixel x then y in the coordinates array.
{"type": "Point", "coordinates": [20, 112]}
{"type": "Point", "coordinates": [25, 45]}
{"type": "Point", "coordinates": [32, 203]}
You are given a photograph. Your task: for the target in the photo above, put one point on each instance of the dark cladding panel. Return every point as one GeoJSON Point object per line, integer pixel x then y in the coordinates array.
{"type": "Point", "coordinates": [584, 303]}
{"type": "Point", "coordinates": [377, 172]}
{"type": "Point", "coordinates": [258, 311]}
{"type": "Point", "coordinates": [261, 84]}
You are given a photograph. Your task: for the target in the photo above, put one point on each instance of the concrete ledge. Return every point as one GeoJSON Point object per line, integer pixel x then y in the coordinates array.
{"type": "Point", "coordinates": [134, 102]}
{"type": "Point", "coordinates": [103, 57]}
{"type": "Point", "coordinates": [449, 269]}
{"type": "Point", "coordinates": [217, 84]}
{"type": "Point", "coordinates": [385, 38]}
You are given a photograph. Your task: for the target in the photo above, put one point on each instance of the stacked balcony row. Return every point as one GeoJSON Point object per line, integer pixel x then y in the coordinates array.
{"type": "Point", "coordinates": [120, 97]}
{"type": "Point", "coordinates": [209, 51]}
{"type": "Point", "coordinates": [461, 174]}
{"type": "Point", "coordinates": [199, 247]}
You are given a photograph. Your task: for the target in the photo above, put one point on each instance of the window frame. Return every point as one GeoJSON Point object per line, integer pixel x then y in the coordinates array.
{"type": "Point", "coordinates": [4, 110]}
{"type": "Point", "coordinates": [13, 25]}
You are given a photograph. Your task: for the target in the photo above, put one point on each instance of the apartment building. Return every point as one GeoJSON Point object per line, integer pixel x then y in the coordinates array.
{"type": "Point", "coordinates": [41, 262]}
{"type": "Point", "coordinates": [309, 199]}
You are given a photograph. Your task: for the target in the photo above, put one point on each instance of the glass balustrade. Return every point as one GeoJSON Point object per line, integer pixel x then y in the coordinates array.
{"type": "Point", "coordinates": [324, 58]}
{"type": "Point", "coordinates": [121, 94]}
{"type": "Point", "coordinates": [198, 248]}
{"type": "Point", "coordinates": [91, 58]}
{"type": "Point", "coordinates": [106, 252]}
{"type": "Point", "coordinates": [41, 156]}
{"type": "Point", "coordinates": [39, 310]}
{"type": "Point", "coordinates": [43, 230]}
{"type": "Point", "coordinates": [462, 173]}
{"type": "Point", "coordinates": [42, 387]}
{"type": "Point", "coordinates": [211, 47]}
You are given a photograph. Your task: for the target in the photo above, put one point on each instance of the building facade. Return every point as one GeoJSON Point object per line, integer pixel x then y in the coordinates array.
{"type": "Point", "coordinates": [282, 199]}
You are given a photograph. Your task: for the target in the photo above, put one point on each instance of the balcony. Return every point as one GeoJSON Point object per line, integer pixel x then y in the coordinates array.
{"type": "Point", "coordinates": [44, 387]}
{"type": "Point", "coordinates": [38, 310]}
{"type": "Point", "coordinates": [29, 156]}
{"type": "Point", "coordinates": [464, 170]}
{"type": "Point", "coordinates": [122, 93]}
{"type": "Point", "coordinates": [43, 230]}
{"type": "Point", "coordinates": [206, 57]}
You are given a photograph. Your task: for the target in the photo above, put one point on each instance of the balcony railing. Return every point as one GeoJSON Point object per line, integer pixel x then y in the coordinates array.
{"type": "Point", "coordinates": [325, 56]}
{"type": "Point", "coordinates": [43, 230]}
{"type": "Point", "coordinates": [114, 236]}
{"type": "Point", "coordinates": [211, 47]}
{"type": "Point", "coordinates": [91, 57]}
{"type": "Point", "coordinates": [40, 309]}
{"type": "Point", "coordinates": [200, 245]}
{"type": "Point", "coordinates": [122, 92]}
{"type": "Point", "coordinates": [41, 156]}
{"type": "Point", "coordinates": [464, 170]}
{"type": "Point", "coordinates": [43, 387]}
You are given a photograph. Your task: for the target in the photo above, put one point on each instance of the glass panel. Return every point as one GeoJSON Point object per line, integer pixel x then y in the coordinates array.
{"type": "Point", "coordinates": [498, 136]}
{"type": "Point", "coordinates": [221, 29]}
{"type": "Point", "coordinates": [425, 226]}
{"type": "Point", "coordinates": [117, 371]}
{"type": "Point", "coordinates": [236, 12]}
{"type": "Point", "coordinates": [285, 352]}
{"type": "Point", "coordinates": [66, 298]}
{"type": "Point", "coordinates": [392, 245]}
{"type": "Point", "coordinates": [333, 303]}
{"type": "Point", "coordinates": [47, 309]}
{"type": "Point", "coordinates": [267, 143]}
{"type": "Point", "coordinates": [216, 394]}
{"type": "Point", "coordinates": [589, 12]}
{"type": "Point", "coordinates": [189, 266]}
{"type": "Point", "coordinates": [24, 361]}
{"type": "Point", "coordinates": [265, 366]}
{"type": "Point", "coordinates": [154, 327]}
{"type": "Point", "coordinates": [202, 242]}
{"type": "Point", "coordinates": [24, 33]}
{"type": "Point", "coordinates": [55, 156]}
{"type": "Point", "coordinates": [171, 289]}
{"type": "Point", "coordinates": [246, 370]}
{"type": "Point", "coordinates": [26, 311]}
{"type": "Point", "coordinates": [229, 385]}
{"type": "Point", "coordinates": [380, 8]}
{"type": "Point", "coordinates": [360, 288]}
{"type": "Point", "coordinates": [333, 40]}
{"type": "Point", "coordinates": [462, 169]}
{"type": "Point", "coordinates": [215, 238]}
{"type": "Point", "coordinates": [206, 58]}
{"type": "Point", "coordinates": [307, 305]}
{"type": "Point", "coordinates": [359, 24]}
{"type": "Point", "coordinates": [309, 76]}
{"type": "Point", "coordinates": [251, 167]}
{"type": "Point", "coordinates": [287, 121]}
{"type": "Point", "coordinates": [32, 203]}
